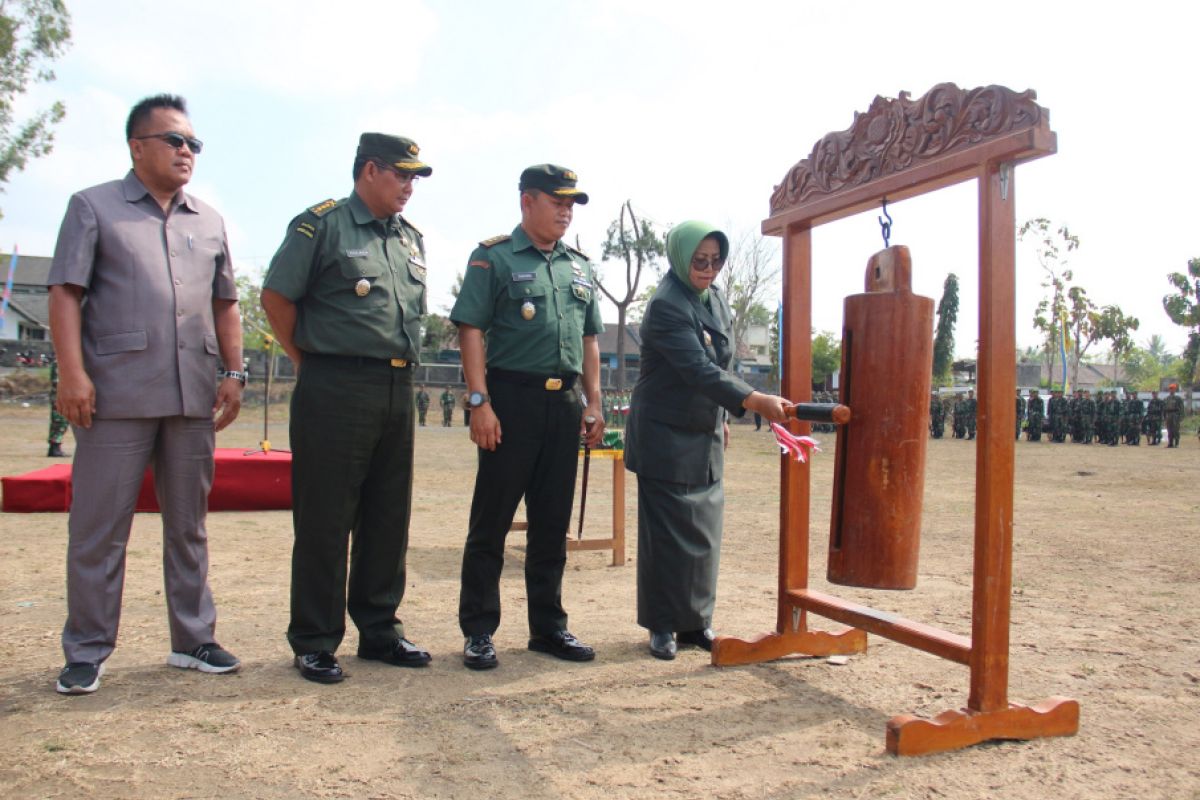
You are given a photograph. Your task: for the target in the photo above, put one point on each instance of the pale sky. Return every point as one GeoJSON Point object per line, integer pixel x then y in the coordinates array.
{"type": "Point", "coordinates": [691, 109]}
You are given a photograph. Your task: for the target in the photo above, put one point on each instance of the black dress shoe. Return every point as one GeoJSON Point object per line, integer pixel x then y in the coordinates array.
{"type": "Point", "coordinates": [561, 644]}
{"type": "Point", "coordinates": [662, 645]}
{"type": "Point", "coordinates": [479, 652]}
{"type": "Point", "coordinates": [321, 667]}
{"type": "Point", "coordinates": [702, 639]}
{"type": "Point", "coordinates": [400, 653]}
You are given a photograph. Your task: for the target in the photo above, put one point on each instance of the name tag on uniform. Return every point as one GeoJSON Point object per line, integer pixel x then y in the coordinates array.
{"type": "Point", "coordinates": [582, 282]}
{"type": "Point", "coordinates": [523, 277]}
{"type": "Point", "coordinates": [362, 253]}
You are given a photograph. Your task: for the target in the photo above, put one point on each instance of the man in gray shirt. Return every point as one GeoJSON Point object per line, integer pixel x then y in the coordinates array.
{"type": "Point", "coordinates": [142, 303]}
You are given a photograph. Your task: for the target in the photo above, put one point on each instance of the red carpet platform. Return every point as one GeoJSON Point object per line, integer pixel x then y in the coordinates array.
{"type": "Point", "coordinates": [258, 482]}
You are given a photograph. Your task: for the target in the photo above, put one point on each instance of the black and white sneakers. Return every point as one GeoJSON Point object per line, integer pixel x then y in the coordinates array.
{"type": "Point", "coordinates": [210, 657]}
{"type": "Point", "coordinates": [79, 678]}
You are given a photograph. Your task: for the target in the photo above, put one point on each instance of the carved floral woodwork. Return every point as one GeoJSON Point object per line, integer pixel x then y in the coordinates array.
{"type": "Point", "coordinates": [897, 133]}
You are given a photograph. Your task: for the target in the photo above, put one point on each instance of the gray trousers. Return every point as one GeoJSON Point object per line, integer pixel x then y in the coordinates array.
{"type": "Point", "coordinates": [110, 459]}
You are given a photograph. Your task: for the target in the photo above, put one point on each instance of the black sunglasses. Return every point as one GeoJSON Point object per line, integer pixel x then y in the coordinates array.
{"type": "Point", "coordinates": [176, 140]}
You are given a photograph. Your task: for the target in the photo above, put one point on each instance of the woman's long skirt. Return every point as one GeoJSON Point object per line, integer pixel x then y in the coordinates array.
{"type": "Point", "coordinates": [679, 550]}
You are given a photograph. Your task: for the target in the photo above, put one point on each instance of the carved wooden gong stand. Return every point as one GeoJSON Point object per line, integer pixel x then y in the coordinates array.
{"type": "Point", "coordinates": [901, 148]}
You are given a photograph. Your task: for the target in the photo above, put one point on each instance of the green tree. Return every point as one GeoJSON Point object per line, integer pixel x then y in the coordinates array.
{"type": "Point", "coordinates": [439, 333]}
{"type": "Point", "coordinates": [1083, 328]}
{"type": "Point", "coordinates": [254, 320]}
{"type": "Point", "coordinates": [1052, 246]}
{"type": "Point", "coordinates": [943, 342]}
{"type": "Point", "coordinates": [32, 34]}
{"type": "Point", "coordinates": [747, 280]}
{"type": "Point", "coordinates": [1118, 329]}
{"type": "Point", "coordinates": [826, 355]}
{"type": "Point", "coordinates": [1183, 307]}
{"type": "Point", "coordinates": [1156, 346]}
{"type": "Point", "coordinates": [638, 245]}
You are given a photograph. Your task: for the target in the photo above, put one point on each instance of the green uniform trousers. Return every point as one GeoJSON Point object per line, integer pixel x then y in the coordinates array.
{"type": "Point", "coordinates": [352, 450]}
{"type": "Point", "coordinates": [537, 460]}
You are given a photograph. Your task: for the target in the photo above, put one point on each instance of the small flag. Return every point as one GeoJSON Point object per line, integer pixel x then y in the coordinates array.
{"type": "Point", "coordinates": [12, 270]}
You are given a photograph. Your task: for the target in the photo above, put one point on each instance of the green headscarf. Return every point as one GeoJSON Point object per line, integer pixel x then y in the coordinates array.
{"type": "Point", "coordinates": [682, 241]}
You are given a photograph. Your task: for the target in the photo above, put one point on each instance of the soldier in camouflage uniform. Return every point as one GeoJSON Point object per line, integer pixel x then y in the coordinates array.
{"type": "Point", "coordinates": [1110, 412]}
{"type": "Point", "coordinates": [1020, 413]}
{"type": "Point", "coordinates": [1075, 417]}
{"type": "Point", "coordinates": [937, 416]}
{"type": "Point", "coordinates": [447, 401]}
{"type": "Point", "coordinates": [972, 406]}
{"type": "Point", "coordinates": [1173, 415]}
{"type": "Point", "coordinates": [1133, 413]}
{"type": "Point", "coordinates": [1058, 416]}
{"type": "Point", "coordinates": [1154, 420]}
{"type": "Point", "coordinates": [1087, 417]}
{"type": "Point", "coordinates": [422, 404]}
{"type": "Point", "coordinates": [1034, 412]}
{"type": "Point", "coordinates": [58, 423]}
{"type": "Point", "coordinates": [958, 419]}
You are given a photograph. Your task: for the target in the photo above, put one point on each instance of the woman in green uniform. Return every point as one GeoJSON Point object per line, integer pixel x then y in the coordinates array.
{"type": "Point", "coordinates": [676, 435]}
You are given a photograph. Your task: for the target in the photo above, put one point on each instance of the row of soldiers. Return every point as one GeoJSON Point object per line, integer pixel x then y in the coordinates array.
{"type": "Point", "coordinates": [1107, 418]}
{"type": "Point", "coordinates": [962, 414]}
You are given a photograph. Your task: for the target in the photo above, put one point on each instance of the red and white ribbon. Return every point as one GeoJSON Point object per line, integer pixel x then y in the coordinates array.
{"type": "Point", "coordinates": [798, 446]}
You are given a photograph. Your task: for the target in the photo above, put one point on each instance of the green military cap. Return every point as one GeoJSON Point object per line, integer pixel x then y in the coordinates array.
{"type": "Point", "coordinates": [397, 151]}
{"type": "Point", "coordinates": [552, 179]}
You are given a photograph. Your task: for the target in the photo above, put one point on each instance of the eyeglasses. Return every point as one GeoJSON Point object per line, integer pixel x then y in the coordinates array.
{"type": "Point", "coordinates": [704, 265]}
{"type": "Point", "coordinates": [176, 140]}
{"type": "Point", "coordinates": [403, 177]}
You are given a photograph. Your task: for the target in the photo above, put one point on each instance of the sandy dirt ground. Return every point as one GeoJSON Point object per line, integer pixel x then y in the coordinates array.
{"type": "Point", "coordinates": [1107, 545]}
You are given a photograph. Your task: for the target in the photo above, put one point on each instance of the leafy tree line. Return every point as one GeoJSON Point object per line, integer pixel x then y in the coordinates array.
{"type": "Point", "coordinates": [33, 33]}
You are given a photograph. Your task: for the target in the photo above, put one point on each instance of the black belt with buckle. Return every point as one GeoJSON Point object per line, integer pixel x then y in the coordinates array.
{"type": "Point", "coordinates": [551, 383]}
{"type": "Point", "coordinates": [362, 361]}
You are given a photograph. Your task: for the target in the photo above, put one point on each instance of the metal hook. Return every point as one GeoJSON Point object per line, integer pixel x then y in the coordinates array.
{"type": "Point", "coordinates": [885, 225]}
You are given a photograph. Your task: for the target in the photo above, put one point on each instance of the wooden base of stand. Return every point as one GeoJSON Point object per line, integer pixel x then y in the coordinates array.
{"type": "Point", "coordinates": [952, 730]}
{"type": "Point", "coordinates": [728, 650]}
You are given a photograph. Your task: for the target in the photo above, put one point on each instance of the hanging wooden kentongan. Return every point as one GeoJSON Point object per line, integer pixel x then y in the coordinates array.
{"type": "Point", "coordinates": [879, 472]}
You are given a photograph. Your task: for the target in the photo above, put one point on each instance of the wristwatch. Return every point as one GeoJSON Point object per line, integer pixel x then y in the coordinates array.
{"type": "Point", "coordinates": [476, 399]}
{"type": "Point", "coordinates": [240, 377]}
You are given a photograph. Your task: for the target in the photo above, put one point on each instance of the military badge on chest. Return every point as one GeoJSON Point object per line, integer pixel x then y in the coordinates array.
{"type": "Point", "coordinates": [528, 310]}
{"type": "Point", "coordinates": [363, 287]}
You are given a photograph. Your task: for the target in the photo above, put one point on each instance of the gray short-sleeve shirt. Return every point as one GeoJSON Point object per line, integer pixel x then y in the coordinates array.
{"type": "Point", "coordinates": [149, 280]}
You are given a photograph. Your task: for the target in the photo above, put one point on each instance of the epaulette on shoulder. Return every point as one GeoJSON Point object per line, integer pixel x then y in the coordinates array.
{"type": "Point", "coordinates": [495, 240]}
{"type": "Point", "coordinates": [323, 208]}
{"type": "Point", "coordinates": [409, 224]}
{"type": "Point", "coordinates": [577, 251]}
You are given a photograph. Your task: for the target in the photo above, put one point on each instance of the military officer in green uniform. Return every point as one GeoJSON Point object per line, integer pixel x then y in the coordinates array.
{"type": "Point", "coordinates": [422, 404]}
{"type": "Point", "coordinates": [535, 298]}
{"type": "Point", "coordinates": [344, 295]}
{"type": "Point", "coordinates": [447, 401]}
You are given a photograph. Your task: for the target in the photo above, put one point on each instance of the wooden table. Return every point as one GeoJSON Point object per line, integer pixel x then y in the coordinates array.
{"type": "Point", "coordinates": [616, 542]}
